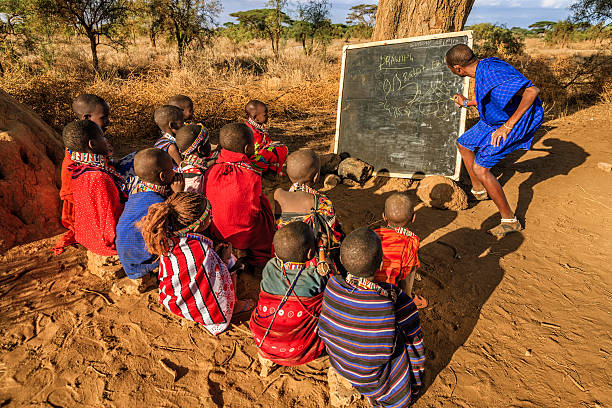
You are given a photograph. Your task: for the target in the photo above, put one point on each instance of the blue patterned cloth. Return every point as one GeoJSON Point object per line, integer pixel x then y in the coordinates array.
{"type": "Point", "coordinates": [134, 257]}
{"type": "Point", "coordinates": [496, 87]}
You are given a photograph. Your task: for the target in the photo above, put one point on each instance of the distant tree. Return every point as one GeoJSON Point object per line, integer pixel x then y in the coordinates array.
{"type": "Point", "coordinates": [151, 15]}
{"type": "Point", "coordinates": [263, 24]}
{"type": "Point", "coordinates": [593, 11]}
{"type": "Point", "coordinates": [362, 14]}
{"type": "Point", "coordinates": [316, 24]}
{"type": "Point", "coordinates": [277, 22]}
{"type": "Point", "coordinates": [187, 20]}
{"type": "Point", "coordinates": [541, 27]}
{"type": "Point", "coordinates": [490, 40]}
{"type": "Point", "coordinates": [96, 19]}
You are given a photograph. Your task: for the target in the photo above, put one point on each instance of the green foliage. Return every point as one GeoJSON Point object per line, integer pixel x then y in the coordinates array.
{"type": "Point", "coordinates": [490, 40]}
{"type": "Point", "coordinates": [540, 27]}
{"type": "Point", "coordinates": [593, 11]}
{"type": "Point", "coordinates": [260, 23]}
{"type": "Point", "coordinates": [314, 25]}
{"type": "Point", "coordinates": [362, 14]}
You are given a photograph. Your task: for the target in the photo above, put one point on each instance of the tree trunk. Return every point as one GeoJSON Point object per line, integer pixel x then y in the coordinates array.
{"type": "Point", "coordinates": [410, 18]}
{"type": "Point", "coordinates": [94, 52]}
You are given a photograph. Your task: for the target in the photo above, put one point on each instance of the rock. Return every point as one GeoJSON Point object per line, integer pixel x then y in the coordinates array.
{"type": "Point", "coordinates": [350, 183]}
{"type": "Point", "coordinates": [107, 268]}
{"type": "Point", "coordinates": [31, 154]}
{"type": "Point", "coordinates": [331, 181]}
{"type": "Point", "coordinates": [330, 163]}
{"type": "Point", "coordinates": [355, 169]}
{"type": "Point", "coordinates": [127, 286]}
{"type": "Point", "coordinates": [341, 392]}
{"type": "Point", "coordinates": [604, 166]}
{"type": "Point", "coordinates": [441, 192]}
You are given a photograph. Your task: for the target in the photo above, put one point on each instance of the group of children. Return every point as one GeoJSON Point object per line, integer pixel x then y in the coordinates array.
{"type": "Point", "coordinates": [188, 218]}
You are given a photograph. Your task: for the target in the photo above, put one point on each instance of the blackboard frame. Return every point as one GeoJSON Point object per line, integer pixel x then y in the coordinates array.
{"type": "Point", "coordinates": [466, 85]}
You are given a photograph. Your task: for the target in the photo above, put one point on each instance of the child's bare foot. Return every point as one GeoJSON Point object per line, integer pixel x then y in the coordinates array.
{"type": "Point", "coordinates": [506, 227]}
{"type": "Point", "coordinates": [420, 302]}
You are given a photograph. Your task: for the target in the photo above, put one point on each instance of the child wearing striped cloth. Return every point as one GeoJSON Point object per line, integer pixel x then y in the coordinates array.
{"type": "Point", "coordinates": [169, 119]}
{"type": "Point", "coordinates": [372, 332]}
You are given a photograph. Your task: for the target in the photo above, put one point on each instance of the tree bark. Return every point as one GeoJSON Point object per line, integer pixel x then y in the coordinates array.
{"type": "Point", "coordinates": [410, 18]}
{"type": "Point", "coordinates": [93, 42]}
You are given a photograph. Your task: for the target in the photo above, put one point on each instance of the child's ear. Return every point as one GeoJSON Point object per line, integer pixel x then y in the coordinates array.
{"type": "Point", "coordinates": [413, 217]}
{"type": "Point", "coordinates": [92, 145]}
{"type": "Point", "coordinates": [174, 125]}
{"type": "Point", "coordinates": [384, 216]}
{"type": "Point", "coordinates": [311, 253]}
{"type": "Point", "coordinates": [316, 177]}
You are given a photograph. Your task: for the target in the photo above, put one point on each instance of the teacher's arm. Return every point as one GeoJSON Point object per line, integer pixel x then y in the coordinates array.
{"type": "Point", "coordinates": [528, 96]}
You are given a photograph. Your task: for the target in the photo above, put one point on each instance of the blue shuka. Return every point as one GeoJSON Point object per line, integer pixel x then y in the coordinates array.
{"type": "Point", "coordinates": [496, 86]}
{"type": "Point", "coordinates": [134, 257]}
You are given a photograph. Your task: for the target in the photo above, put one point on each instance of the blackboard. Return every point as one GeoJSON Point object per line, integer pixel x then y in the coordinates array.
{"type": "Point", "coordinates": [395, 108]}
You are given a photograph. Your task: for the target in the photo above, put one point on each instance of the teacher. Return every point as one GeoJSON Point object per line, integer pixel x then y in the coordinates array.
{"type": "Point", "coordinates": [510, 113]}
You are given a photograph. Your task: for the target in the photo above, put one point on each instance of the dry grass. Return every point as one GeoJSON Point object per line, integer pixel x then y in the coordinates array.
{"type": "Point", "coordinates": [222, 78]}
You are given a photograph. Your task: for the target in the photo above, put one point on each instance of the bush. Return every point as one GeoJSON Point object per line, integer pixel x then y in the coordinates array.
{"type": "Point", "coordinates": [493, 40]}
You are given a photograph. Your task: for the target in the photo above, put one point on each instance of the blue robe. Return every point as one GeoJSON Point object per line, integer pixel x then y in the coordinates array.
{"type": "Point", "coordinates": [496, 86]}
{"type": "Point", "coordinates": [133, 254]}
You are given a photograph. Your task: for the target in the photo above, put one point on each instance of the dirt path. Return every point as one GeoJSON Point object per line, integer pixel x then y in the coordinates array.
{"type": "Point", "coordinates": [520, 322]}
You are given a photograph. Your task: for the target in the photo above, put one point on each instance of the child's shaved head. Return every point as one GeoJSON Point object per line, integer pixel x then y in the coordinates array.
{"type": "Point", "coordinates": [361, 253]}
{"type": "Point", "coordinates": [303, 165]}
{"type": "Point", "coordinates": [187, 136]}
{"type": "Point", "coordinates": [235, 137]}
{"type": "Point", "coordinates": [92, 107]}
{"type": "Point", "coordinates": [150, 163]}
{"type": "Point", "coordinates": [295, 242]}
{"type": "Point", "coordinates": [252, 106]}
{"type": "Point", "coordinates": [399, 209]}
{"type": "Point", "coordinates": [184, 103]}
{"type": "Point", "coordinates": [77, 136]}
{"type": "Point", "coordinates": [461, 55]}
{"type": "Point", "coordinates": [167, 115]}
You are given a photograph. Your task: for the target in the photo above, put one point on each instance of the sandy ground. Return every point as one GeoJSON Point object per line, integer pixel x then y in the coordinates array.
{"type": "Point", "coordinates": [519, 322]}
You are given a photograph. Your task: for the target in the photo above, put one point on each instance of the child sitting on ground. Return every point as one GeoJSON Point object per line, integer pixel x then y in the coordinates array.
{"type": "Point", "coordinates": [184, 103]}
{"type": "Point", "coordinates": [400, 246]}
{"type": "Point", "coordinates": [84, 106]}
{"type": "Point", "coordinates": [371, 331]}
{"type": "Point", "coordinates": [269, 155]}
{"type": "Point", "coordinates": [157, 181]}
{"type": "Point", "coordinates": [169, 119]}
{"type": "Point", "coordinates": [284, 323]}
{"type": "Point", "coordinates": [303, 203]}
{"type": "Point", "coordinates": [194, 145]}
{"type": "Point", "coordinates": [97, 192]}
{"type": "Point", "coordinates": [194, 282]}
{"type": "Point", "coordinates": [243, 215]}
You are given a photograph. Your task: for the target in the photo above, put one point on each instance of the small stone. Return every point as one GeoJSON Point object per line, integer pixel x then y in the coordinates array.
{"type": "Point", "coordinates": [604, 166]}
{"type": "Point", "coordinates": [355, 169]}
{"type": "Point", "coordinates": [528, 353]}
{"type": "Point", "coordinates": [441, 192]}
{"type": "Point", "coordinates": [331, 181]}
{"type": "Point", "coordinates": [330, 163]}
{"type": "Point", "coordinates": [105, 267]}
{"type": "Point", "coordinates": [341, 392]}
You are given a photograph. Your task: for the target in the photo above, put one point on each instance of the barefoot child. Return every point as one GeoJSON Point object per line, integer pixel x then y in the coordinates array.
{"type": "Point", "coordinates": [169, 119]}
{"type": "Point", "coordinates": [400, 246]}
{"type": "Point", "coordinates": [243, 215]}
{"type": "Point", "coordinates": [157, 180]}
{"type": "Point", "coordinates": [371, 331]}
{"type": "Point", "coordinates": [184, 103]}
{"type": "Point", "coordinates": [194, 282]}
{"type": "Point", "coordinates": [303, 203]}
{"type": "Point", "coordinates": [84, 106]}
{"type": "Point", "coordinates": [510, 113]}
{"type": "Point", "coordinates": [269, 155]}
{"type": "Point", "coordinates": [97, 193]}
{"type": "Point", "coordinates": [194, 146]}
{"type": "Point", "coordinates": [284, 323]}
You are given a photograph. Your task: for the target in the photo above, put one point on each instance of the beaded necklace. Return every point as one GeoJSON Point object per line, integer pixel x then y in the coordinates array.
{"type": "Point", "coordinates": [99, 161]}
{"type": "Point", "coordinates": [202, 138]}
{"type": "Point", "coordinates": [364, 283]}
{"type": "Point", "coordinates": [193, 160]}
{"type": "Point", "coordinates": [143, 186]}
{"type": "Point", "coordinates": [194, 226]}
{"type": "Point", "coordinates": [403, 231]}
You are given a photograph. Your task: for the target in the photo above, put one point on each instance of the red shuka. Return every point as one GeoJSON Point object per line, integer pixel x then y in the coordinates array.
{"type": "Point", "coordinates": [293, 338]}
{"type": "Point", "coordinates": [269, 155]}
{"type": "Point", "coordinates": [241, 212]}
{"type": "Point", "coordinates": [97, 207]}
{"type": "Point", "coordinates": [67, 208]}
{"type": "Point", "coordinates": [400, 254]}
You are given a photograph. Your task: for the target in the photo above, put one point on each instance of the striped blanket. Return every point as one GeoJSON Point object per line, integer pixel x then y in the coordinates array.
{"type": "Point", "coordinates": [375, 344]}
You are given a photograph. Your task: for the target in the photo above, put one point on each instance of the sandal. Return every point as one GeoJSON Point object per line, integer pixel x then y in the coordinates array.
{"type": "Point", "coordinates": [248, 307]}
{"type": "Point", "coordinates": [506, 227]}
{"type": "Point", "coordinates": [480, 195]}
{"type": "Point", "coordinates": [420, 302]}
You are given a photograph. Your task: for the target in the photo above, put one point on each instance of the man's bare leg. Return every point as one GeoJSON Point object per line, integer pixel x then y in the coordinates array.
{"type": "Point", "coordinates": [468, 159]}
{"type": "Point", "coordinates": [490, 183]}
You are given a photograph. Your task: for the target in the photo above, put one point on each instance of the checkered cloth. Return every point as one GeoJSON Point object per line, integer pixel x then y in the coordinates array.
{"type": "Point", "coordinates": [496, 86]}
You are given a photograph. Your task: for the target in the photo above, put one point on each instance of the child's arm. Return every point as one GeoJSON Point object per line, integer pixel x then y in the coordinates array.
{"type": "Point", "coordinates": [175, 154]}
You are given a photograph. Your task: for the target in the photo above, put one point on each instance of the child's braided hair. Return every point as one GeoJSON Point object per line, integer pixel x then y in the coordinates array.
{"type": "Point", "coordinates": [178, 211]}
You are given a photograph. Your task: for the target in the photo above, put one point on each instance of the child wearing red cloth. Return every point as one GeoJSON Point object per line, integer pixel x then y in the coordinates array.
{"type": "Point", "coordinates": [269, 155]}
{"type": "Point", "coordinates": [242, 213]}
{"type": "Point", "coordinates": [97, 189]}
{"type": "Point", "coordinates": [400, 246]}
{"type": "Point", "coordinates": [84, 106]}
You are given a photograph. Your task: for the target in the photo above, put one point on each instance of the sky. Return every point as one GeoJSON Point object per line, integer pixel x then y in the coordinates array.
{"type": "Point", "coordinates": [512, 13]}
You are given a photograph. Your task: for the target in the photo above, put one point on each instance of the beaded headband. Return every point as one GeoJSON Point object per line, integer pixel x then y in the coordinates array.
{"type": "Point", "coordinates": [194, 226]}
{"type": "Point", "coordinates": [202, 136]}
